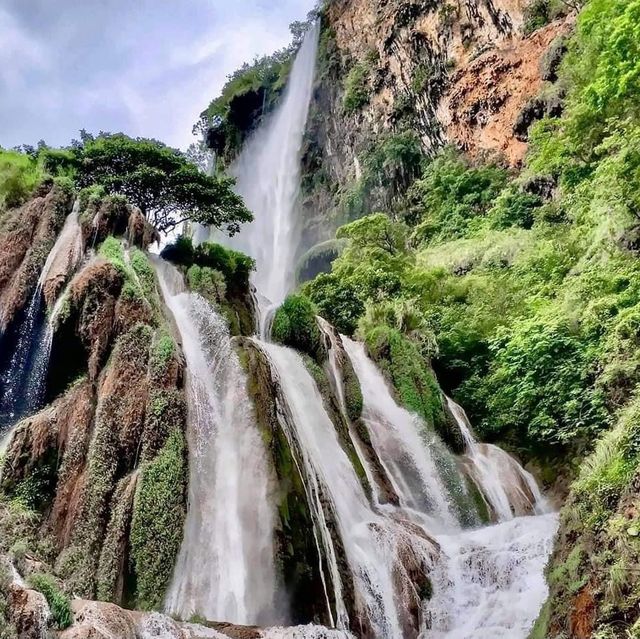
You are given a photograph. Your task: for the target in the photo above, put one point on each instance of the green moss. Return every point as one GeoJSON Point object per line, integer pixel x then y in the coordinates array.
{"type": "Point", "coordinates": [163, 351]}
{"type": "Point", "coordinates": [113, 251]}
{"type": "Point", "coordinates": [157, 523]}
{"type": "Point", "coordinates": [295, 325]}
{"type": "Point", "coordinates": [571, 573]}
{"type": "Point", "coordinates": [352, 391]}
{"type": "Point", "coordinates": [211, 284]}
{"type": "Point", "coordinates": [335, 414]}
{"type": "Point", "coordinates": [541, 626]}
{"type": "Point", "coordinates": [144, 271]}
{"type": "Point", "coordinates": [410, 374]}
{"type": "Point", "coordinates": [59, 603]}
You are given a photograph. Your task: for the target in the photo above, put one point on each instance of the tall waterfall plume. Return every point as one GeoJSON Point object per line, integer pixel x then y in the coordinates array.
{"type": "Point", "coordinates": [225, 569]}
{"type": "Point", "coordinates": [268, 178]}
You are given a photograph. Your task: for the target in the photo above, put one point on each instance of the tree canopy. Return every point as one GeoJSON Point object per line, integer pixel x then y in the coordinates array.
{"type": "Point", "coordinates": [161, 181]}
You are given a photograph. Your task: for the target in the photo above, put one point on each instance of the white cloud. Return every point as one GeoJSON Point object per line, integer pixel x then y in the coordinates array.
{"type": "Point", "coordinates": [139, 69]}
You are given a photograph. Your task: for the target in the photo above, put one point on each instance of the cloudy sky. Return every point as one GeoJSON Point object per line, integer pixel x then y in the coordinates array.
{"type": "Point", "coordinates": [145, 67]}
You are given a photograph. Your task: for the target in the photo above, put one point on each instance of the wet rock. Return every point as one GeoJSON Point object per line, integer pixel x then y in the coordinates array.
{"type": "Point", "coordinates": [28, 611]}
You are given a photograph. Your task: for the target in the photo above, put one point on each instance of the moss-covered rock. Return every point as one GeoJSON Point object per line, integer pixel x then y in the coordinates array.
{"type": "Point", "coordinates": [413, 380]}
{"type": "Point", "coordinates": [295, 325]}
{"type": "Point", "coordinates": [159, 512]}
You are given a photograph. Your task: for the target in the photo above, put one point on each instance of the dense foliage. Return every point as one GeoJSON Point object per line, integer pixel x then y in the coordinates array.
{"type": "Point", "coordinates": [166, 187]}
{"type": "Point", "coordinates": [19, 175]}
{"type": "Point", "coordinates": [163, 182]}
{"type": "Point", "coordinates": [233, 265]}
{"type": "Point", "coordinates": [295, 325]}
{"type": "Point", "coordinates": [529, 281]}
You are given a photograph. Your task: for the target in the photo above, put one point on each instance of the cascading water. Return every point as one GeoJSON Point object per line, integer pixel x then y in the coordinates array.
{"type": "Point", "coordinates": [486, 582]}
{"type": "Point", "coordinates": [225, 569]}
{"type": "Point", "coordinates": [403, 442]}
{"type": "Point", "coordinates": [508, 489]}
{"type": "Point", "coordinates": [23, 376]}
{"type": "Point", "coordinates": [268, 178]}
{"type": "Point", "coordinates": [374, 544]}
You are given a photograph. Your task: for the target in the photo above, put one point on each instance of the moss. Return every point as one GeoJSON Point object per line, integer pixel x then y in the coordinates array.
{"type": "Point", "coordinates": [118, 418]}
{"type": "Point", "coordinates": [352, 391]}
{"type": "Point", "coordinates": [113, 558]}
{"type": "Point", "coordinates": [412, 378]}
{"type": "Point", "coordinates": [295, 325]}
{"type": "Point", "coordinates": [357, 88]}
{"type": "Point", "coordinates": [144, 272]}
{"type": "Point", "coordinates": [163, 352]}
{"type": "Point", "coordinates": [166, 411]}
{"type": "Point", "coordinates": [541, 626]}
{"type": "Point", "coordinates": [335, 414]}
{"type": "Point", "coordinates": [59, 603]}
{"type": "Point", "coordinates": [157, 523]}
{"type": "Point", "coordinates": [210, 283]}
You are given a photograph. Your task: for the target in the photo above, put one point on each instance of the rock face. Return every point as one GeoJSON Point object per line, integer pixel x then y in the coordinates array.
{"type": "Point", "coordinates": [27, 234]}
{"type": "Point", "coordinates": [98, 620]}
{"type": "Point", "coordinates": [415, 73]}
{"type": "Point", "coordinates": [94, 462]}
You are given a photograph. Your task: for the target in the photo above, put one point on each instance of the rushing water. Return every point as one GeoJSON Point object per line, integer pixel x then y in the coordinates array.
{"type": "Point", "coordinates": [508, 489]}
{"type": "Point", "coordinates": [375, 546]}
{"type": "Point", "coordinates": [268, 178]}
{"type": "Point", "coordinates": [225, 567]}
{"type": "Point", "coordinates": [403, 442]}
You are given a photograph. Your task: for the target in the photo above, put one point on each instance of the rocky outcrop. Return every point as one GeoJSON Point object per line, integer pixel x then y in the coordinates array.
{"type": "Point", "coordinates": [93, 620]}
{"type": "Point", "coordinates": [94, 462]}
{"type": "Point", "coordinates": [492, 100]}
{"type": "Point", "coordinates": [398, 79]}
{"type": "Point", "coordinates": [27, 234]}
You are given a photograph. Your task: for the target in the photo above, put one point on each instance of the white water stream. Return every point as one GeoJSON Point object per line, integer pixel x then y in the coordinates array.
{"type": "Point", "coordinates": [268, 178]}
{"type": "Point", "coordinates": [376, 547]}
{"type": "Point", "coordinates": [225, 567]}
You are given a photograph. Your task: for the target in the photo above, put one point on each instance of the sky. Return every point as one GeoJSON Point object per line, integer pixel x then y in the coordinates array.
{"type": "Point", "coordinates": [144, 67]}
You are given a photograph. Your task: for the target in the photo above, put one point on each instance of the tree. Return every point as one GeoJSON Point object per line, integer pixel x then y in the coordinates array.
{"type": "Point", "coordinates": [161, 181]}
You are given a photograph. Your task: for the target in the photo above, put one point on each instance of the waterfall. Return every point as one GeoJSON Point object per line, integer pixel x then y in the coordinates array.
{"type": "Point", "coordinates": [268, 178]}
{"type": "Point", "coordinates": [23, 373]}
{"type": "Point", "coordinates": [487, 581]}
{"type": "Point", "coordinates": [64, 257]}
{"type": "Point", "coordinates": [403, 442]}
{"type": "Point", "coordinates": [225, 568]}
{"type": "Point", "coordinates": [376, 546]}
{"type": "Point", "coordinates": [508, 489]}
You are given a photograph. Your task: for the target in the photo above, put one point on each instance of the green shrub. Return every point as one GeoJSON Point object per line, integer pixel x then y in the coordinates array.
{"type": "Point", "coordinates": [210, 283]}
{"type": "Point", "coordinates": [295, 325]}
{"type": "Point", "coordinates": [356, 88]}
{"type": "Point", "coordinates": [158, 518]}
{"type": "Point", "coordinates": [235, 266]}
{"type": "Point", "coordinates": [19, 176]}
{"type": "Point", "coordinates": [59, 603]}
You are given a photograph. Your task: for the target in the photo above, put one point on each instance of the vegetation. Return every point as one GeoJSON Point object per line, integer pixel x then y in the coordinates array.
{"type": "Point", "coordinates": [356, 87]}
{"type": "Point", "coordinates": [527, 303]}
{"type": "Point", "coordinates": [161, 181]}
{"type": "Point", "coordinates": [248, 95]}
{"type": "Point", "coordinates": [236, 267]}
{"type": "Point", "coordinates": [19, 175]}
{"type": "Point", "coordinates": [295, 325]}
{"type": "Point", "coordinates": [158, 517]}
{"type": "Point", "coordinates": [59, 603]}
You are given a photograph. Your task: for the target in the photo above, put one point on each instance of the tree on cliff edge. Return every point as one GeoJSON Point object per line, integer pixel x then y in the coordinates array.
{"type": "Point", "coordinates": [161, 181]}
